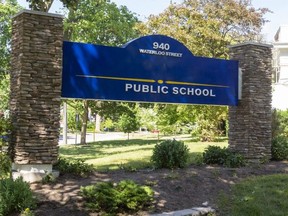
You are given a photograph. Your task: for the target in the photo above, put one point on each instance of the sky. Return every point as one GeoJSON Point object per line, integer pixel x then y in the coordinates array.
{"type": "Point", "coordinates": [146, 7]}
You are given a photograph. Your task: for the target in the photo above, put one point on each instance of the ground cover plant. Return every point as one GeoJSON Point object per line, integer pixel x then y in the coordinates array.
{"type": "Point", "coordinates": [74, 166]}
{"type": "Point", "coordinates": [113, 198]}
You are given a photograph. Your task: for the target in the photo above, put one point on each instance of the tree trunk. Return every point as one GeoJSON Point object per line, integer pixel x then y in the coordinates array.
{"type": "Point", "coordinates": [84, 122]}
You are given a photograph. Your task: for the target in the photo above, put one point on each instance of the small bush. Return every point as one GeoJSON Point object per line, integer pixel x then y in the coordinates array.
{"type": "Point", "coordinates": [235, 160]}
{"type": "Point", "coordinates": [76, 167]}
{"type": "Point", "coordinates": [127, 196]}
{"type": "Point", "coordinates": [170, 154]}
{"type": "Point", "coordinates": [215, 155]}
{"type": "Point", "coordinates": [5, 165]}
{"type": "Point", "coordinates": [279, 148]}
{"type": "Point", "coordinates": [15, 196]}
{"type": "Point", "coordinates": [222, 156]}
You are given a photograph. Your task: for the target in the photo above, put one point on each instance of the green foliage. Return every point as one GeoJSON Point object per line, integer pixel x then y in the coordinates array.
{"type": "Point", "coordinates": [45, 5]}
{"type": "Point", "coordinates": [76, 167]}
{"type": "Point", "coordinates": [5, 129]}
{"type": "Point", "coordinates": [222, 156]}
{"type": "Point", "coordinates": [4, 91]}
{"type": "Point", "coordinates": [5, 165]}
{"type": "Point", "coordinates": [263, 195]}
{"type": "Point", "coordinates": [7, 9]}
{"type": "Point", "coordinates": [107, 124]}
{"type": "Point", "coordinates": [279, 123]}
{"type": "Point", "coordinates": [127, 196]}
{"type": "Point", "coordinates": [15, 196]}
{"type": "Point", "coordinates": [201, 121]}
{"type": "Point", "coordinates": [75, 107]}
{"type": "Point", "coordinates": [48, 178]}
{"type": "Point", "coordinates": [147, 118]}
{"type": "Point", "coordinates": [100, 22]}
{"type": "Point", "coordinates": [170, 154]}
{"type": "Point", "coordinates": [5, 161]}
{"type": "Point", "coordinates": [27, 212]}
{"type": "Point", "coordinates": [215, 155]}
{"type": "Point", "coordinates": [128, 122]}
{"type": "Point", "coordinates": [279, 148]}
{"type": "Point", "coordinates": [206, 27]}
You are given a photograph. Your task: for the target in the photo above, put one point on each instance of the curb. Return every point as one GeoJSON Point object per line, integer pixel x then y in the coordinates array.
{"type": "Point", "coordinates": [198, 211]}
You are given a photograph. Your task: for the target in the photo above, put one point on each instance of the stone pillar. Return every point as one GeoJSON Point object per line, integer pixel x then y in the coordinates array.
{"type": "Point", "coordinates": [250, 121]}
{"type": "Point", "coordinates": [35, 92]}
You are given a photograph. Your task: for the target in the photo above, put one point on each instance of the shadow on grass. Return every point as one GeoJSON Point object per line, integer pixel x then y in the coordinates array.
{"type": "Point", "coordinates": [120, 143]}
{"type": "Point", "coordinates": [106, 148]}
{"type": "Point", "coordinates": [131, 166]}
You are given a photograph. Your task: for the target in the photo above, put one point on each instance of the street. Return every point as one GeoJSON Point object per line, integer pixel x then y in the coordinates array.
{"type": "Point", "coordinates": [91, 137]}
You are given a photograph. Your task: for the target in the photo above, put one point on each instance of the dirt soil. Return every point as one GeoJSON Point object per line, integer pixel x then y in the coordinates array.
{"type": "Point", "coordinates": [175, 190]}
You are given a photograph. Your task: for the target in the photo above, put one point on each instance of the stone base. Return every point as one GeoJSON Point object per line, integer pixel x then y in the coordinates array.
{"type": "Point", "coordinates": [32, 172]}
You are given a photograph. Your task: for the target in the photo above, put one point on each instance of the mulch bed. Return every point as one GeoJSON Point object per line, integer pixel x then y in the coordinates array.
{"type": "Point", "coordinates": [174, 189]}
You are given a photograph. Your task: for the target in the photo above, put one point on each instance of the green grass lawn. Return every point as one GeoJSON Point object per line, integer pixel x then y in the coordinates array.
{"type": "Point", "coordinates": [131, 154]}
{"type": "Point", "coordinates": [257, 196]}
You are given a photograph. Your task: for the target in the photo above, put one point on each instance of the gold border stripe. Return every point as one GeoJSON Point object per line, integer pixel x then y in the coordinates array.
{"type": "Point", "coordinates": [119, 78]}
{"type": "Point", "coordinates": [152, 81]}
{"type": "Point", "coordinates": [194, 84]}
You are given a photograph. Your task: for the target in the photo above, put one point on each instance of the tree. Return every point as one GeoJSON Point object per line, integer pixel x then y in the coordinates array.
{"type": "Point", "coordinates": [128, 123]}
{"type": "Point", "coordinates": [147, 117]}
{"type": "Point", "coordinates": [206, 27]}
{"type": "Point", "coordinates": [45, 5]}
{"type": "Point", "coordinates": [7, 9]}
{"type": "Point", "coordinates": [99, 22]}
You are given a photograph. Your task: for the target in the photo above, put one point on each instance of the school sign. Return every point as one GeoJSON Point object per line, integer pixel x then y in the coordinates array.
{"type": "Point", "coordinates": [153, 68]}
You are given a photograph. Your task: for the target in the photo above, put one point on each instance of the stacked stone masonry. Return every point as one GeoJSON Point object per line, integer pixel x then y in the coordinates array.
{"type": "Point", "coordinates": [36, 87]}
{"type": "Point", "coordinates": [250, 121]}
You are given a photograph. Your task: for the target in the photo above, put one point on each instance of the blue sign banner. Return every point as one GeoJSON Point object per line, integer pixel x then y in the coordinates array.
{"type": "Point", "coordinates": [153, 68]}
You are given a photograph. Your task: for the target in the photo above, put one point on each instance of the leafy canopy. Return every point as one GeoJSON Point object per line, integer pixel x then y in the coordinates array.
{"type": "Point", "coordinates": [45, 5]}
{"type": "Point", "coordinates": [206, 27]}
{"type": "Point", "coordinates": [7, 9]}
{"type": "Point", "coordinates": [100, 22]}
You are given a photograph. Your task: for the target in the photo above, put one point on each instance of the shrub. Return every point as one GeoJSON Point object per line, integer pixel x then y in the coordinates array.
{"type": "Point", "coordinates": [76, 167]}
{"type": "Point", "coordinates": [235, 160]}
{"type": "Point", "coordinates": [5, 162]}
{"type": "Point", "coordinates": [222, 156]}
{"type": "Point", "coordinates": [15, 196]}
{"type": "Point", "coordinates": [279, 148]}
{"type": "Point", "coordinates": [170, 154]}
{"type": "Point", "coordinates": [127, 196]}
{"type": "Point", "coordinates": [5, 165]}
{"type": "Point", "coordinates": [215, 155]}
{"type": "Point", "coordinates": [279, 123]}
